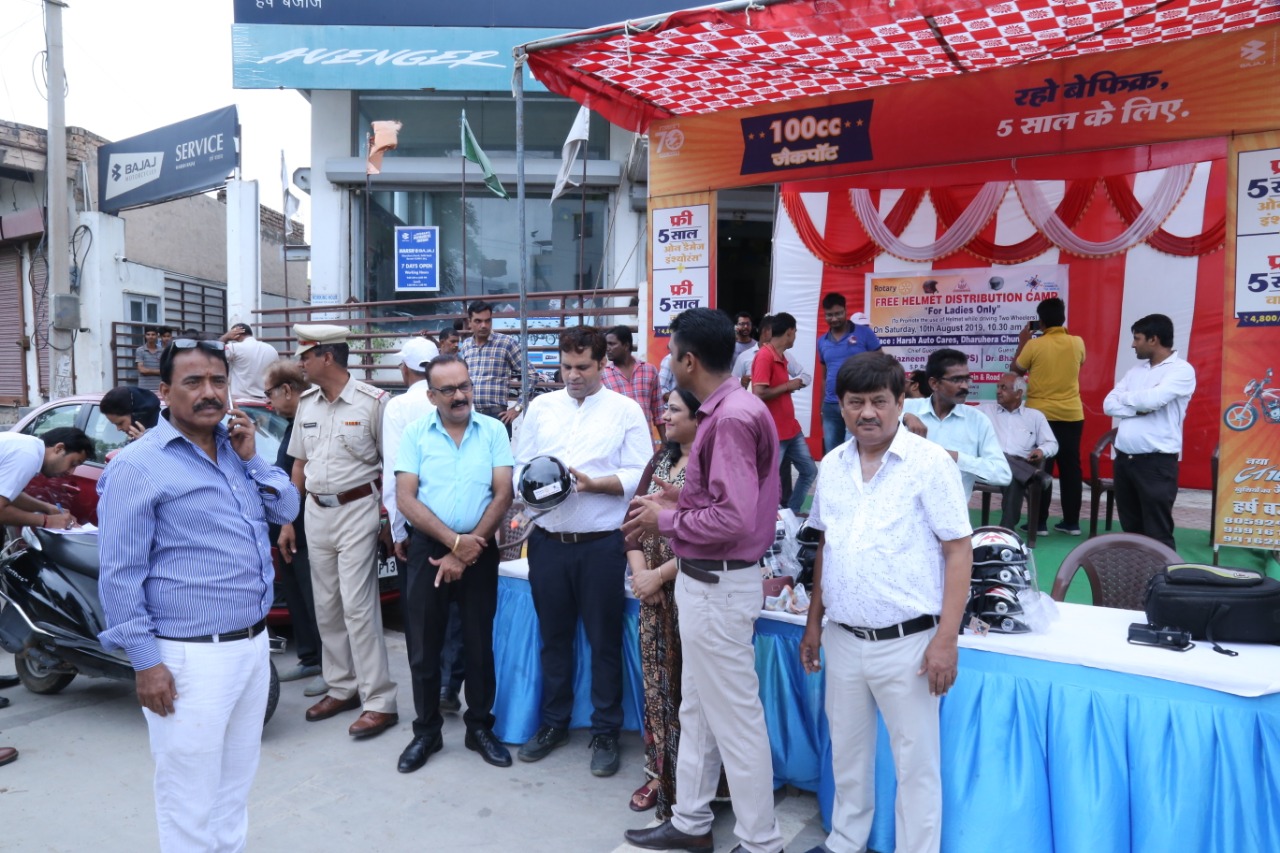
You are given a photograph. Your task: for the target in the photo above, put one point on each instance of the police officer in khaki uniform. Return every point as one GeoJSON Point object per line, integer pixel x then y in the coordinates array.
{"type": "Point", "coordinates": [338, 447]}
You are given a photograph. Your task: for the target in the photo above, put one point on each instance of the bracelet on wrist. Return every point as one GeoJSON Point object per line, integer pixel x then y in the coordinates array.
{"type": "Point", "coordinates": [45, 521]}
{"type": "Point", "coordinates": [457, 537]}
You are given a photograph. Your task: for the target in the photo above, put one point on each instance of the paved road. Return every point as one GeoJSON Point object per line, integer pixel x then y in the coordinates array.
{"type": "Point", "coordinates": [83, 782]}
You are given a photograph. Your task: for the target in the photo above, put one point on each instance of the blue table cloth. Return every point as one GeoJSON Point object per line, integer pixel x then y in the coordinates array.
{"type": "Point", "coordinates": [1036, 755]}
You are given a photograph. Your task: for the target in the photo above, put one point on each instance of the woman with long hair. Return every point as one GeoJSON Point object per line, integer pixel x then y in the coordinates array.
{"type": "Point", "coordinates": [653, 573]}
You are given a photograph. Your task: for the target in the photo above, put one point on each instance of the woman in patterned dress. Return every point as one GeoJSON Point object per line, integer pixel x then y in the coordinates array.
{"type": "Point", "coordinates": [653, 572]}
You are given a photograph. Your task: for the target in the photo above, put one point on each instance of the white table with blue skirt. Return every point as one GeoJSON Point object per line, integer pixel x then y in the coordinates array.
{"type": "Point", "coordinates": [1068, 741]}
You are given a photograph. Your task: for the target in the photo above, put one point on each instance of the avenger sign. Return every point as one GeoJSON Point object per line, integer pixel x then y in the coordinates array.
{"type": "Point", "coordinates": [179, 160]}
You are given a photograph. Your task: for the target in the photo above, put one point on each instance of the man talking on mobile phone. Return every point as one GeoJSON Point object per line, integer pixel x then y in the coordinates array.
{"type": "Point", "coordinates": [186, 582]}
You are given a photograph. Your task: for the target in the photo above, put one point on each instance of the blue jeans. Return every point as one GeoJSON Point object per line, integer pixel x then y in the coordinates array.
{"type": "Point", "coordinates": [834, 432]}
{"type": "Point", "coordinates": [795, 451]}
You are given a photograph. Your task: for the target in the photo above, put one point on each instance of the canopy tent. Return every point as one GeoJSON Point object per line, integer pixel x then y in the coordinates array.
{"type": "Point", "coordinates": [740, 54]}
{"type": "Point", "coordinates": [1127, 87]}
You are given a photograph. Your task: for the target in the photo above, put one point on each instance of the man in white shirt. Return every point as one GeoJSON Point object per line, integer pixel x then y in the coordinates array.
{"type": "Point", "coordinates": [961, 429]}
{"type": "Point", "coordinates": [402, 411]}
{"type": "Point", "coordinates": [891, 577]}
{"type": "Point", "coordinates": [1027, 440]}
{"type": "Point", "coordinates": [1150, 403]}
{"type": "Point", "coordinates": [248, 359]}
{"type": "Point", "coordinates": [742, 364]}
{"type": "Point", "coordinates": [576, 558]}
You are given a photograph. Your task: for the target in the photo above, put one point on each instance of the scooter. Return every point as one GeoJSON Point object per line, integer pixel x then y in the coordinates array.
{"type": "Point", "coordinates": [51, 613]}
{"type": "Point", "coordinates": [1243, 414]}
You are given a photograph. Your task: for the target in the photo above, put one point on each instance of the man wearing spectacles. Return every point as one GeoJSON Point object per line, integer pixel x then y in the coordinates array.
{"type": "Point", "coordinates": [337, 445]}
{"type": "Point", "coordinates": [453, 476]}
{"type": "Point", "coordinates": [963, 431]}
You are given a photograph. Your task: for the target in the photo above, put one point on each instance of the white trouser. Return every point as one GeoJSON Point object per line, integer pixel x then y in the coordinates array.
{"type": "Point", "coordinates": [206, 751]}
{"type": "Point", "coordinates": [862, 675]}
{"type": "Point", "coordinates": [721, 717]}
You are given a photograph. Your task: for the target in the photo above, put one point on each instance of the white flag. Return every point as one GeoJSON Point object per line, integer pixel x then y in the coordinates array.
{"type": "Point", "coordinates": [291, 202]}
{"type": "Point", "coordinates": [573, 145]}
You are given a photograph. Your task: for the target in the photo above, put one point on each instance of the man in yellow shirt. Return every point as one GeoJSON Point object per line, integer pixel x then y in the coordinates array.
{"type": "Point", "coordinates": [1051, 363]}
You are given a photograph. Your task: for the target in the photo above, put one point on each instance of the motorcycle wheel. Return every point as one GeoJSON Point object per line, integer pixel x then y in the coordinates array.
{"type": "Point", "coordinates": [1239, 417]}
{"type": "Point", "coordinates": [273, 692]}
{"type": "Point", "coordinates": [38, 679]}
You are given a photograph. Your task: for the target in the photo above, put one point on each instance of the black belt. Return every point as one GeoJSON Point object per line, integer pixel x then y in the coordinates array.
{"type": "Point", "coordinates": [893, 632]}
{"type": "Point", "coordinates": [243, 634]}
{"type": "Point", "coordinates": [705, 570]}
{"type": "Point", "coordinates": [578, 538]}
{"type": "Point", "coordinates": [1140, 455]}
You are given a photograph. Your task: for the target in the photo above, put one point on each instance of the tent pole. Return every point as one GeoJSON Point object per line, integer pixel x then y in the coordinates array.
{"type": "Point", "coordinates": [518, 85]}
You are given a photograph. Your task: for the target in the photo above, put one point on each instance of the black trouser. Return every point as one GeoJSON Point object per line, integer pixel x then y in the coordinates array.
{"type": "Point", "coordinates": [295, 583]}
{"type": "Point", "coordinates": [1146, 486]}
{"type": "Point", "coordinates": [426, 618]}
{"type": "Point", "coordinates": [1024, 475]}
{"type": "Point", "coordinates": [569, 582]}
{"type": "Point", "coordinates": [1070, 478]}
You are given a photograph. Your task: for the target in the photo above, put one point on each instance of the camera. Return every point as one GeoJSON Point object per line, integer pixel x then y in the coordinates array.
{"type": "Point", "coordinates": [1142, 634]}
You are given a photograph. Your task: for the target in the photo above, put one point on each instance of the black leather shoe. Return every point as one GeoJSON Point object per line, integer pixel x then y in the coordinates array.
{"type": "Point", "coordinates": [418, 751]}
{"type": "Point", "coordinates": [9, 681]}
{"type": "Point", "coordinates": [667, 837]}
{"type": "Point", "coordinates": [489, 747]}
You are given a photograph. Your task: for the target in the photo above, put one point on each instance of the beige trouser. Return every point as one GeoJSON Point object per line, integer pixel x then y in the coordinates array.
{"type": "Point", "coordinates": [343, 542]}
{"type": "Point", "coordinates": [861, 676]}
{"type": "Point", "coordinates": [721, 718]}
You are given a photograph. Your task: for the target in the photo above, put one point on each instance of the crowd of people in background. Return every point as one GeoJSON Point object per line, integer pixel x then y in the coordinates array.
{"type": "Point", "coordinates": [683, 527]}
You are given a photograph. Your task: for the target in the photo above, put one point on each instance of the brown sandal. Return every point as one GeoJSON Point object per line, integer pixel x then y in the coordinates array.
{"type": "Point", "coordinates": [644, 798]}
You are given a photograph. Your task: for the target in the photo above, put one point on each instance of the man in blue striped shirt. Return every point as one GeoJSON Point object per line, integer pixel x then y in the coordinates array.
{"type": "Point", "coordinates": [186, 581]}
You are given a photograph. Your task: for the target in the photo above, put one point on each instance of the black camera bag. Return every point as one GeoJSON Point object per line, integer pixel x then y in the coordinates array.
{"type": "Point", "coordinates": [1216, 604]}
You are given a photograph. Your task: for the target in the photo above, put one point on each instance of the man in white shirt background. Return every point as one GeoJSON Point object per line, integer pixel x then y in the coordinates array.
{"type": "Point", "coordinates": [1027, 440]}
{"type": "Point", "coordinates": [248, 359]}
{"type": "Point", "coordinates": [1150, 403]}
{"type": "Point", "coordinates": [961, 429]}
{"type": "Point", "coordinates": [576, 558]}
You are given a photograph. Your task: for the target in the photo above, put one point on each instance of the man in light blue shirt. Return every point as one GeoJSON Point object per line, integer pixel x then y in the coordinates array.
{"type": "Point", "coordinates": [962, 430]}
{"type": "Point", "coordinates": [454, 486]}
{"type": "Point", "coordinates": [186, 582]}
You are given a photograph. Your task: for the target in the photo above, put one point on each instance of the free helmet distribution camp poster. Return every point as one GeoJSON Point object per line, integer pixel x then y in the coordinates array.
{"type": "Point", "coordinates": [977, 311]}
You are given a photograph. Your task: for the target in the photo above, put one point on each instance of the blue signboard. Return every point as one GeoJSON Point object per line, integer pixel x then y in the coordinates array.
{"type": "Point", "coordinates": [562, 14]}
{"type": "Point", "coordinates": [178, 160]}
{"type": "Point", "coordinates": [378, 58]}
{"type": "Point", "coordinates": [417, 258]}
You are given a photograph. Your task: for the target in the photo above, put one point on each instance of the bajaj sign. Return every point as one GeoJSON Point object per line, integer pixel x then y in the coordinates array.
{"type": "Point", "coordinates": [175, 161]}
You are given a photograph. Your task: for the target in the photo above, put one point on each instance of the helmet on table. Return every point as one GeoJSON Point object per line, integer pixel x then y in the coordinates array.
{"type": "Point", "coordinates": [545, 483]}
{"type": "Point", "coordinates": [1003, 573]}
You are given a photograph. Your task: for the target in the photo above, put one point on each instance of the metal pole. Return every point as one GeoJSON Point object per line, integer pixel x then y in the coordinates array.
{"type": "Point", "coordinates": [582, 227]}
{"type": "Point", "coordinates": [464, 216]}
{"type": "Point", "coordinates": [59, 300]}
{"type": "Point", "coordinates": [284, 248]}
{"type": "Point", "coordinates": [524, 236]}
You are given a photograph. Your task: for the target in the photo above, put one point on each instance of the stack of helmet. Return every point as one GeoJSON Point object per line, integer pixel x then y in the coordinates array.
{"type": "Point", "coordinates": [1003, 581]}
{"type": "Point", "coordinates": [807, 553]}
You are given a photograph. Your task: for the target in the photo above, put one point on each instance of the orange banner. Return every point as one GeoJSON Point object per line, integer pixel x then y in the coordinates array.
{"type": "Point", "coordinates": [1248, 510]}
{"type": "Point", "coordinates": [1212, 86]}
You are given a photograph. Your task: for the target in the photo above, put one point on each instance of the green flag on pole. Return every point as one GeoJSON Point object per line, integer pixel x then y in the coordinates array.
{"type": "Point", "coordinates": [471, 151]}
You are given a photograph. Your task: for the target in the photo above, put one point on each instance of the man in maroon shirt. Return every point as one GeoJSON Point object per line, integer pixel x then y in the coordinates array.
{"type": "Point", "coordinates": [771, 381]}
{"type": "Point", "coordinates": [719, 528]}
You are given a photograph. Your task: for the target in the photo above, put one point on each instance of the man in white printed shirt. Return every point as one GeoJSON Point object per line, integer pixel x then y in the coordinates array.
{"type": "Point", "coordinates": [1027, 440]}
{"type": "Point", "coordinates": [576, 558]}
{"type": "Point", "coordinates": [892, 577]}
{"type": "Point", "coordinates": [1151, 403]}
{"type": "Point", "coordinates": [962, 430]}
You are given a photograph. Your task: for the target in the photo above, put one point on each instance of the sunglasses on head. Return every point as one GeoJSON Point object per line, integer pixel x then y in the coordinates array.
{"type": "Point", "coordinates": [192, 343]}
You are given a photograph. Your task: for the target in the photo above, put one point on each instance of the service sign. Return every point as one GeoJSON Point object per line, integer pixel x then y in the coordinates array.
{"type": "Point", "coordinates": [977, 311]}
{"type": "Point", "coordinates": [681, 262]}
{"type": "Point", "coordinates": [179, 160]}
{"type": "Point", "coordinates": [417, 259]}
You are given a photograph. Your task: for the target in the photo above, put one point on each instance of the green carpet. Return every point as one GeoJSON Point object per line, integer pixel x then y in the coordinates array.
{"type": "Point", "coordinates": [1192, 545]}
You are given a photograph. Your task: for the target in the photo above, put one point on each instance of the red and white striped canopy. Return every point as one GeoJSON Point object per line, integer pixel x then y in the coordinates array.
{"type": "Point", "coordinates": [740, 54]}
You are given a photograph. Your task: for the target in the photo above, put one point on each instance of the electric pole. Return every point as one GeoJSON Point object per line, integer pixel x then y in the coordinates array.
{"type": "Point", "coordinates": [62, 305]}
